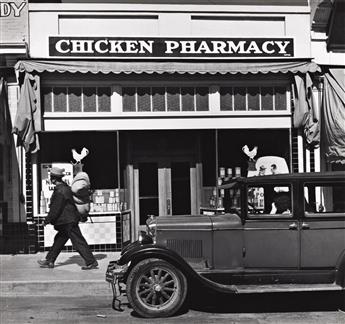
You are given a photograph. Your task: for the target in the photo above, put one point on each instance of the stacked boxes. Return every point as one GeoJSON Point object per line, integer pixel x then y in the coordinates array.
{"type": "Point", "coordinates": [107, 200]}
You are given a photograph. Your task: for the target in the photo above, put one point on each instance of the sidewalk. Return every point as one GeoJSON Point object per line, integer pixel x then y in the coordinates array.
{"type": "Point", "coordinates": [21, 275]}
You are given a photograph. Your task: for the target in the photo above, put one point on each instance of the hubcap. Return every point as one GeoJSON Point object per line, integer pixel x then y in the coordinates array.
{"type": "Point", "coordinates": [157, 288]}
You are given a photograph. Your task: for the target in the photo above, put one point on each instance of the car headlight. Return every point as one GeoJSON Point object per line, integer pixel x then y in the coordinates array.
{"type": "Point", "coordinates": [151, 227]}
{"type": "Point", "coordinates": [144, 238]}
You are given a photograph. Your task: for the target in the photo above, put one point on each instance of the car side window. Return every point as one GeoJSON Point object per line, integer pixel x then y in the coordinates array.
{"type": "Point", "coordinates": [324, 199]}
{"type": "Point", "coordinates": [269, 200]}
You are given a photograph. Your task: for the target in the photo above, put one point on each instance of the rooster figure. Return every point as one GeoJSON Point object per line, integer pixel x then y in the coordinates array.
{"type": "Point", "coordinates": [251, 154]}
{"type": "Point", "coordinates": [79, 156]}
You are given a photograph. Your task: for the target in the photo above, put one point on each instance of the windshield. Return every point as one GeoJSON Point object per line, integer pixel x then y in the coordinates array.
{"type": "Point", "coordinates": [232, 199]}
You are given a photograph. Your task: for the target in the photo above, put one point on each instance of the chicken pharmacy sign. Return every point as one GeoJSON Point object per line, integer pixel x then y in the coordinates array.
{"type": "Point", "coordinates": [108, 47]}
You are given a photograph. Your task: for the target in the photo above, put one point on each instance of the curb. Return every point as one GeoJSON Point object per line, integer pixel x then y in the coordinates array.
{"type": "Point", "coordinates": [55, 288]}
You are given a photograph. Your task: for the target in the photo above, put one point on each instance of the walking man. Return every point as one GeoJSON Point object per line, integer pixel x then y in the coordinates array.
{"type": "Point", "coordinates": [63, 214]}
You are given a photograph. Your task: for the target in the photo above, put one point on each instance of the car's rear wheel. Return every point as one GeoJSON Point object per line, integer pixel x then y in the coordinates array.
{"type": "Point", "coordinates": [156, 288]}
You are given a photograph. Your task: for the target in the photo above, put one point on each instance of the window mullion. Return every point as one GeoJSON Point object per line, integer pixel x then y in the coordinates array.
{"type": "Point", "coordinates": [52, 98]}
{"type": "Point", "coordinates": [67, 99]}
{"type": "Point", "coordinates": [96, 99]}
{"type": "Point", "coordinates": [82, 99]}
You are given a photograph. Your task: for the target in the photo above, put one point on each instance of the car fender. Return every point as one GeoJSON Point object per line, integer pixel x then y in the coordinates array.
{"type": "Point", "coordinates": [340, 270]}
{"type": "Point", "coordinates": [142, 252]}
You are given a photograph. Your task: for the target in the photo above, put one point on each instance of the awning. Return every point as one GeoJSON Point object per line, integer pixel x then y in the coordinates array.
{"type": "Point", "coordinates": [149, 67]}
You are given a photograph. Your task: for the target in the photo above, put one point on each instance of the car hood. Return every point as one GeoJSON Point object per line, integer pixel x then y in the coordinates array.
{"type": "Point", "coordinates": [197, 222]}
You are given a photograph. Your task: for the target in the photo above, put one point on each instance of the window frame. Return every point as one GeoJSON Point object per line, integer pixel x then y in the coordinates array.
{"type": "Point", "coordinates": [268, 216]}
{"type": "Point", "coordinates": [67, 86]}
{"type": "Point", "coordinates": [214, 109]}
{"type": "Point", "coordinates": [319, 215]}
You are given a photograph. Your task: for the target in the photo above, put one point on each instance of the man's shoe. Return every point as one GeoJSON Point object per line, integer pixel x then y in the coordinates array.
{"type": "Point", "coordinates": [46, 264]}
{"type": "Point", "coordinates": [93, 265]}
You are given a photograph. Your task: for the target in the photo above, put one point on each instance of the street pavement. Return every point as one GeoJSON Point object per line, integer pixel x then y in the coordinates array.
{"type": "Point", "coordinates": [97, 310]}
{"type": "Point", "coordinates": [67, 294]}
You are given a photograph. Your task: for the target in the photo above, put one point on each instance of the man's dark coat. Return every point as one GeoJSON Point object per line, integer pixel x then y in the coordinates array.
{"type": "Point", "coordinates": [62, 209]}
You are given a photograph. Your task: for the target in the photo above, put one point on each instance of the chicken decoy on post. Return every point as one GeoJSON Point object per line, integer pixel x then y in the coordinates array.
{"type": "Point", "coordinates": [251, 154]}
{"type": "Point", "coordinates": [79, 156]}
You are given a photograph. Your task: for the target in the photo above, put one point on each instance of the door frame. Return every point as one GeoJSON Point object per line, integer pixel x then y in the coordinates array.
{"type": "Point", "coordinates": [164, 183]}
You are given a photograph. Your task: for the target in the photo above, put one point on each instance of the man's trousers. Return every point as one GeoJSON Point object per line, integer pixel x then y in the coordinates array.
{"type": "Point", "coordinates": [70, 231]}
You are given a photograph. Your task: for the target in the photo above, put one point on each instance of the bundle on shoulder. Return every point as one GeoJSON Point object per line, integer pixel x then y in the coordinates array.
{"type": "Point", "coordinates": [81, 189]}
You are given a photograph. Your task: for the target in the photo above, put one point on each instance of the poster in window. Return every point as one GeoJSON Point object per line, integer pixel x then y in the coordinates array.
{"type": "Point", "coordinates": [47, 187]}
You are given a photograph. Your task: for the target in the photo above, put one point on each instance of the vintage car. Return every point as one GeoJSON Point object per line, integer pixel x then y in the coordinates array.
{"type": "Point", "coordinates": [278, 233]}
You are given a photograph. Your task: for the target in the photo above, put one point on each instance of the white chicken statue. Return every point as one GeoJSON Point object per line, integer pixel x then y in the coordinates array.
{"type": "Point", "coordinates": [79, 156]}
{"type": "Point", "coordinates": [251, 154]}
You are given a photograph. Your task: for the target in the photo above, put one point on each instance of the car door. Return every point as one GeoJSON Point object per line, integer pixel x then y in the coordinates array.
{"type": "Point", "coordinates": [323, 224]}
{"type": "Point", "coordinates": [271, 231]}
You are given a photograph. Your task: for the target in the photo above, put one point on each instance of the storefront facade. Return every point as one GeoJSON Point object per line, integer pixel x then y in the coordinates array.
{"type": "Point", "coordinates": [164, 98]}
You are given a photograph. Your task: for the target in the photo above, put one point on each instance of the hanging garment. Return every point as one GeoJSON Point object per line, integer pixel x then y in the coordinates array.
{"type": "Point", "coordinates": [333, 115]}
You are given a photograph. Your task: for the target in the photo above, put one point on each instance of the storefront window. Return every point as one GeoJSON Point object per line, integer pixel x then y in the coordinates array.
{"type": "Point", "coordinates": [60, 99]}
{"type": "Point", "coordinates": [74, 96]}
{"type": "Point", "coordinates": [89, 99]}
{"type": "Point", "coordinates": [267, 98]}
{"type": "Point", "coordinates": [76, 99]}
{"type": "Point", "coordinates": [201, 99]}
{"type": "Point", "coordinates": [144, 100]}
{"type": "Point", "coordinates": [165, 99]}
{"type": "Point", "coordinates": [128, 95]}
{"type": "Point", "coordinates": [187, 95]}
{"type": "Point", "coordinates": [158, 99]}
{"type": "Point", "coordinates": [253, 98]}
{"type": "Point", "coordinates": [173, 98]}
{"type": "Point", "coordinates": [47, 97]}
{"type": "Point", "coordinates": [226, 98]}
{"type": "Point", "coordinates": [104, 94]}
{"type": "Point", "coordinates": [280, 98]}
{"type": "Point", "coordinates": [240, 99]}
{"type": "Point", "coordinates": [101, 164]}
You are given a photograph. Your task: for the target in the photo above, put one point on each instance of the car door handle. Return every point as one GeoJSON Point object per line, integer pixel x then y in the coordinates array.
{"type": "Point", "coordinates": [305, 226]}
{"type": "Point", "coordinates": [293, 226]}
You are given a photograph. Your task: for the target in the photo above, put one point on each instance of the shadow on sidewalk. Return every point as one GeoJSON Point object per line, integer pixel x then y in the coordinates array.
{"type": "Point", "coordinates": [77, 259]}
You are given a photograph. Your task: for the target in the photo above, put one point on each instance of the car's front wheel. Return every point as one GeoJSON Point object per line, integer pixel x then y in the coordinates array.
{"type": "Point", "coordinates": [156, 288]}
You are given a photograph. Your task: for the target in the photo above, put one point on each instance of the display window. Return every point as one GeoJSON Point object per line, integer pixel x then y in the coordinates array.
{"type": "Point", "coordinates": [98, 154]}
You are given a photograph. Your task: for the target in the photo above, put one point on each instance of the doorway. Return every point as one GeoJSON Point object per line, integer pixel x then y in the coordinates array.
{"type": "Point", "coordinates": [148, 190]}
{"type": "Point", "coordinates": [164, 188]}
{"type": "Point", "coordinates": [180, 188]}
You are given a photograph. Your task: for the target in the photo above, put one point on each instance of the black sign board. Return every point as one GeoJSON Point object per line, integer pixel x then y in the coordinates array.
{"type": "Point", "coordinates": [111, 47]}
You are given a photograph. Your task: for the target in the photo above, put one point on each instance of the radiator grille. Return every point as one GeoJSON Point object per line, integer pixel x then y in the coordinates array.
{"type": "Point", "coordinates": [186, 248]}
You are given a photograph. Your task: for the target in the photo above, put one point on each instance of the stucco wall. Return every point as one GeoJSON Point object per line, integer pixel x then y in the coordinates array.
{"type": "Point", "coordinates": [167, 21]}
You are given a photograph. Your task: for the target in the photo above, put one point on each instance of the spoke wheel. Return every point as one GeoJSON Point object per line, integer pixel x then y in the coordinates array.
{"type": "Point", "coordinates": [155, 288]}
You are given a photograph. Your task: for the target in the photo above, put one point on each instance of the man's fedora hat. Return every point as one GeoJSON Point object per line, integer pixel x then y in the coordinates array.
{"type": "Point", "coordinates": [57, 172]}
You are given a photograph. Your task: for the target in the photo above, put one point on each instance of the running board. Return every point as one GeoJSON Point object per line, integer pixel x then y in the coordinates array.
{"type": "Point", "coordinates": [254, 289]}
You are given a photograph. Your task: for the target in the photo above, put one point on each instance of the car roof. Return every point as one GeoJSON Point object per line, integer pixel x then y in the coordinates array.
{"type": "Point", "coordinates": [312, 176]}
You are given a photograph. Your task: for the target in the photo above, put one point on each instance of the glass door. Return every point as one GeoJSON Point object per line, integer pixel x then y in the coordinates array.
{"type": "Point", "coordinates": [148, 190]}
{"type": "Point", "coordinates": [180, 188]}
{"type": "Point", "coordinates": [164, 188]}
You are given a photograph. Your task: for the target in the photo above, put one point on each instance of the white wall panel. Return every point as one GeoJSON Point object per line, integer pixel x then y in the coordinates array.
{"type": "Point", "coordinates": [230, 27]}
{"type": "Point", "coordinates": [255, 122]}
{"type": "Point", "coordinates": [108, 26]}
{"type": "Point", "coordinates": [41, 26]}
{"type": "Point", "coordinates": [298, 26]}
